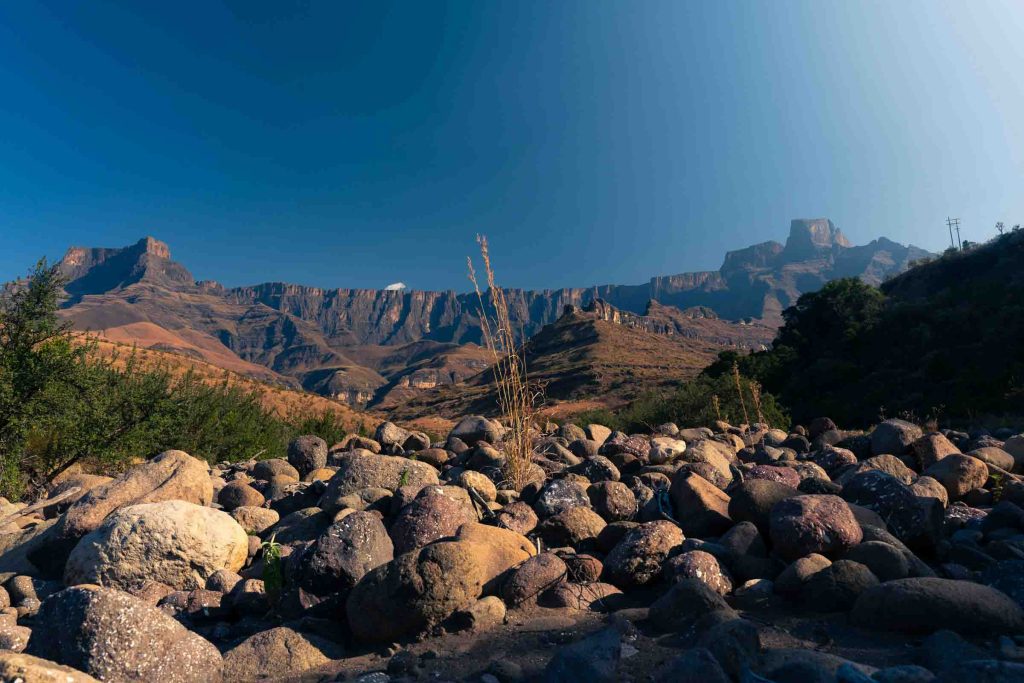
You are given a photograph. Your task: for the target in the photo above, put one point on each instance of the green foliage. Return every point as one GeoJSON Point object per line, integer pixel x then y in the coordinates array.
{"type": "Point", "coordinates": [945, 334]}
{"type": "Point", "coordinates": [61, 404]}
{"type": "Point", "coordinates": [273, 570]}
{"type": "Point", "coordinates": [601, 416]}
{"type": "Point", "coordinates": [691, 405]}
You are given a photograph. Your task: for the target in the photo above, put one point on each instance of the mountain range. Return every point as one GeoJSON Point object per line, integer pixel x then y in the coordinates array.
{"type": "Point", "coordinates": [387, 347]}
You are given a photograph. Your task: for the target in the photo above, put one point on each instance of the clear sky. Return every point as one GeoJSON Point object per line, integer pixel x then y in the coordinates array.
{"type": "Point", "coordinates": [354, 144]}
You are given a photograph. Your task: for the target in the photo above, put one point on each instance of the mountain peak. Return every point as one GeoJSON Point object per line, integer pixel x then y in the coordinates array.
{"type": "Point", "coordinates": [96, 270]}
{"type": "Point", "coordinates": [811, 236]}
{"type": "Point", "coordinates": [154, 247]}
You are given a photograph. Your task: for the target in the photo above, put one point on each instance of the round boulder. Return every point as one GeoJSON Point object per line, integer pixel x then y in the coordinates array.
{"type": "Point", "coordinates": [238, 494]}
{"type": "Point", "coordinates": [416, 590]}
{"type": "Point", "coordinates": [700, 565]}
{"type": "Point", "coordinates": [278, 653]}
{"type": "Point", "coordinates": [307, 454]}
{"type": "Point", "coordinates": [176, 543]}
{"type": "Point", "coordinates": [345, 552]}
{"type": "Point", "coordinates": [803, 525]}
{"type": "Point", "coordinates": [637, 559]}
{"type": "Point", "coordinates": [928, 604]}
{"type": "Point", "coordinates": [894, 437]}
{"type": "Point", "coordinates": [836, 587]}
{"type": "Point", "coordinates": [532, 577]}
{"type": "Point", "coordinates": [114, 636]}
{"type": "Point", "coordinates": [959, 474]}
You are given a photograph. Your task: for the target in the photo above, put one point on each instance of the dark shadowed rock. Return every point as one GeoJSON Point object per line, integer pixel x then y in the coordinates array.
{"type": "Point", "coordinates": [885, 561]}
{"type": "Point", "coordinates": [915, 521]}
{"type": "Point", "coordinates": [684, 604]}
{"type": "Point", "coordinates": [307, 454]}
{"type": "Point", "coordinates": [638, 557]}
{"type": "Point", "coordinates": [416, 590]}
{"type": "Point", "coordinates": [813, 524]}
{"type": "Point", "coordinates": [345, 552]}
{"type": "Point", "coordinates": [837, 586]}
{"type": "Point", "coordinates": [475, 428]}
{"type": "Point", "coordinates": [791, 581]}
{"type": "Point", "coordinates": [753, 500]}
{"type": "Point", "coordinates": [697, 665]}
{"type": "Point", "coordinates": [894, 437]}
{"type": "Point", "coordinates": [924, 605]}
{"type": "Point", "coordinates": [594, 659]}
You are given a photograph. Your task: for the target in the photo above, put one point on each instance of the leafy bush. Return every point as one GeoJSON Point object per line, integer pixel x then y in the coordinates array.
{"type": "Point", "coordinates": [693, 404]}
{"type": "Point", "coordinates": [62, 405]}
{"type": "Point", "coordinates": [945, 335]}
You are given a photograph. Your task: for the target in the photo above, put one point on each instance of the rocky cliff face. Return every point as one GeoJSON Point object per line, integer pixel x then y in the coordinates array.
{"type": "Point", "coordinates": [325, 338]}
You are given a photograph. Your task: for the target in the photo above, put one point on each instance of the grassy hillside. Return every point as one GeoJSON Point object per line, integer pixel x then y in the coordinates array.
{"type": "Point", "coordinates": [582, 360]}
{"type": "Point", "coordinates": [287, 403]}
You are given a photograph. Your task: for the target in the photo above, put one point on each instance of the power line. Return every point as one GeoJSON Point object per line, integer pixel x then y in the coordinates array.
{"type": "Point", "coordinates": [952, 223]}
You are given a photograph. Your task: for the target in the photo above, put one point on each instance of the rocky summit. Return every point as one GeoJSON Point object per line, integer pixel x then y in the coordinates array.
{"type": "Point", "coordinates": [722, 553]}
{"type": "Point", "coordinates": [381, 348]}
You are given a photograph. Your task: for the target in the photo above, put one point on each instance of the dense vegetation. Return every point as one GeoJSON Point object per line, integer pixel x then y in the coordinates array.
{"type": "Point", "coordinates": [62, 404]}
{"type": "Point", "coordinates": [946, 338]}
{"type": "Point", "coordinates": [695, 403]}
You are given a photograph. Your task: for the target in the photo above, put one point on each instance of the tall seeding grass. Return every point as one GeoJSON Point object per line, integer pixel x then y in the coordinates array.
{"type": "Point", "coordinates": [516, 399]}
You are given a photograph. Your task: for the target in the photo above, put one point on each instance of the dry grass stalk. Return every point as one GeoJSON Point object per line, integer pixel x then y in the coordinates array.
{"type": "Point", "coordinates": [755, 392]}
{"type": "Point", "coordinates": [515, 398]}
{"type": "Point", "coordinates": [739, 391]}
{"type": "Point", "coordinates": [717, 405]}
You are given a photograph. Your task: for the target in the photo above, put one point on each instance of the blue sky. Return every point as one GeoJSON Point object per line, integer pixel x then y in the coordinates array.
{"type": "Point", "coordinates": [353, 144]}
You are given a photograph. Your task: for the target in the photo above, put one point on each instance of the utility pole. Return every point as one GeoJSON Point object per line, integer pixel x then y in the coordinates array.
{"type": "Point", "coordinates": [953, 223]}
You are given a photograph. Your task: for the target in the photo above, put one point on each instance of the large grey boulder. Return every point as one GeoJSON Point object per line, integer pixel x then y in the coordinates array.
{"type": "Point", "coordinates": [307, 454]}
{"type": "Point", "coordinates": [894, 437]}
{"type": "Point", "coordinates": [924, 605]}
{"type": "Point", "coordinates": [473, 429]}
{"type": "Point", "coordinates": [172, 475]}
{"type": "Point", "coordinates": [116, 637]}
{"type": "Point", "coordinates": [361, 470]}
{"type": "Point", "coordinates": [344, 553]}
{"type": "Point", "coordinates": [176, 543]}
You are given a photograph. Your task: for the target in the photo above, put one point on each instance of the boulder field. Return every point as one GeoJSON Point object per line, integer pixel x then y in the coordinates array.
{"type": "Point", "coordinates": [720, 553]}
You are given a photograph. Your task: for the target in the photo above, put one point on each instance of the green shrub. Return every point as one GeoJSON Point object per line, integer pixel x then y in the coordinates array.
{"type": "Point", "coordinates": [691, 405]}
{"type": "Point", "coordinates": [61, 405]}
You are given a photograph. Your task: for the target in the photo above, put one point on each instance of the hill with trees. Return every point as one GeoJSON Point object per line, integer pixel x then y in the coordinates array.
{"type": "Point", "coordinates": [945, 338]}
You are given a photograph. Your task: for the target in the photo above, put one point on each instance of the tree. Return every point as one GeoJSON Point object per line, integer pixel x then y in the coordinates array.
{"type": "Point", "coordinates": [36, 353]}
